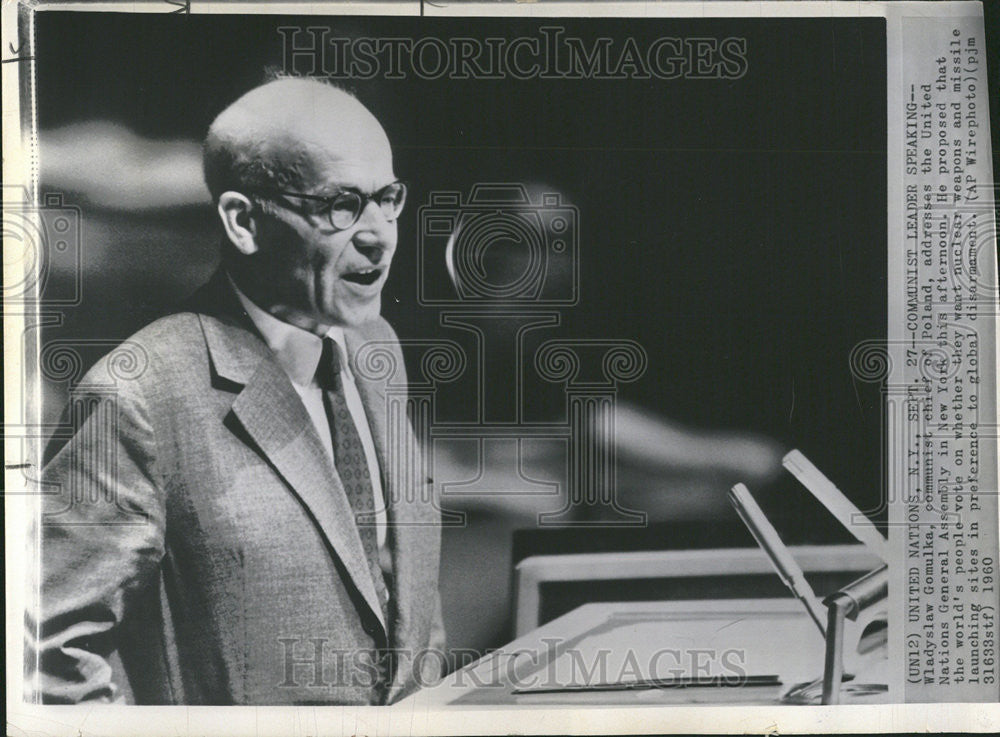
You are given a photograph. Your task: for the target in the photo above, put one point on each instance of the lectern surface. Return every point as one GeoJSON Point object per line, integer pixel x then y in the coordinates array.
{"type": "Point", "coordinates": [608, 654]}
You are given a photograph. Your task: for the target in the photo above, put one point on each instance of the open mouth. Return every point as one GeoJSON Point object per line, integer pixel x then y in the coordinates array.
{"type": "Point", "coordinates": [365, 277]}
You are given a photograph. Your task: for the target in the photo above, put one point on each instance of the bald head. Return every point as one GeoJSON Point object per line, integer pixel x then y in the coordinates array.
{"type": "Point", "coordinates": [283, 133]}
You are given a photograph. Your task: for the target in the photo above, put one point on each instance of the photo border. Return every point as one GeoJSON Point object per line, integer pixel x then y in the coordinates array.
{"type": "Point", "coordinates": [20, 170]}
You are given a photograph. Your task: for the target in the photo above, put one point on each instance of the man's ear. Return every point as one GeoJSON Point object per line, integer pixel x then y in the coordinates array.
{"type": "Point", "coordinates": [236, 213]}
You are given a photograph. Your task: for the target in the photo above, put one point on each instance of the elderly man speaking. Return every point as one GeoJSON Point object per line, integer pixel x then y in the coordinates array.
{"type": "Point", "coordinates": [222, 527]}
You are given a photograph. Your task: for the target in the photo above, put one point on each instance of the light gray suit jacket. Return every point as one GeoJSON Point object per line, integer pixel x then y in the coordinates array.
{"type": "Point", "coordinates": [198, 546]}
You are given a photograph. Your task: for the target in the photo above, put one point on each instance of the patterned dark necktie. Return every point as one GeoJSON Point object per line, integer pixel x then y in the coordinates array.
{"type": "Point", "coordinates": [351, 463]}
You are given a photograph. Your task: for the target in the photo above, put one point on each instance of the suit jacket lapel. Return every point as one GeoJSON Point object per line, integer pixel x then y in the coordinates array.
{"type": "Point", "coordinates": [272, 414]}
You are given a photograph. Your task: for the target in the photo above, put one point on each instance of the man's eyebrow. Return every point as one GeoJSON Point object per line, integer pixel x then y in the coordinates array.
{"type": "Point", "coordinates": [332, 190]}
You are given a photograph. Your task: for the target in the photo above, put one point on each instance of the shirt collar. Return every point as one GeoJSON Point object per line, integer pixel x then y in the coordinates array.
{"type": "Point", "coordinates": [296, 349]}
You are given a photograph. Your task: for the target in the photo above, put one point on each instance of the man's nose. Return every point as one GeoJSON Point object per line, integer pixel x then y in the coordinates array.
{"type": "Point", "coordinates": [373, 235]}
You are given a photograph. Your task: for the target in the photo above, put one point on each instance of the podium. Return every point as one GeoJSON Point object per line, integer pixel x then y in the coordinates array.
{"type": "Point", "coordinates": [720, 651]}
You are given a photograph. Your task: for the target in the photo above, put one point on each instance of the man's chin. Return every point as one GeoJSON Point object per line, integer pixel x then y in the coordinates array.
{"type": "Point", "coordinates": [353, 315]}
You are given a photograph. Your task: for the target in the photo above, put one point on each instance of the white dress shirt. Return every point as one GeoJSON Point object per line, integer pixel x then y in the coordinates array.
{"type": "Point", "coordinates": [298, 351]}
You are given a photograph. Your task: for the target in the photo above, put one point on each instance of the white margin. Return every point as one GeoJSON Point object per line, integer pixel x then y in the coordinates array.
{"type": "Point", "coordinates": [85, 721]}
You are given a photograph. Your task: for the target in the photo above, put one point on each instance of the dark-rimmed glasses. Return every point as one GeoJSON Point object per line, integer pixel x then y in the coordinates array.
{"type": "Point", "coordinates": [344, 208]}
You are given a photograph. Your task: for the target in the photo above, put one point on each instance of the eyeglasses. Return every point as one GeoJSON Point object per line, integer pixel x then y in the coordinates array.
{"type": "Point", "coordinates": [345, 207]}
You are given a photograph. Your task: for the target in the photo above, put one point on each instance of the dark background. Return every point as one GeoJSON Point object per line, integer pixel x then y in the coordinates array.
{"type": "Point", "coordinates": [736, 229]}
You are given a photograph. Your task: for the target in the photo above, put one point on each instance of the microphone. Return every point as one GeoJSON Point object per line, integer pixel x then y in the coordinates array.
{"type": "Point", "coordinates": [784, 564]}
